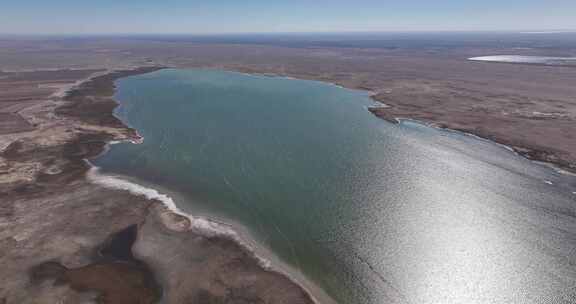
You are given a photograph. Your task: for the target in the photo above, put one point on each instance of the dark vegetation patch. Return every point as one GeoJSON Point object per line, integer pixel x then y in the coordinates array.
{"type": "Point", "coordinates": [92, 101]}
{"type": "Point", "coordinates": [117, 276]}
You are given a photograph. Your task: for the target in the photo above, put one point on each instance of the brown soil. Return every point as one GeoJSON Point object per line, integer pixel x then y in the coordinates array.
{"type": "Point", "coordinates": [55, 222]}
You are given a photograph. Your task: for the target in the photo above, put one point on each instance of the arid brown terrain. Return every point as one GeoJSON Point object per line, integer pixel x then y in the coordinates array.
{"type": "Point", "coordinates": [66, 240]}
{"type": "Point", "coordinates": [56, 225]}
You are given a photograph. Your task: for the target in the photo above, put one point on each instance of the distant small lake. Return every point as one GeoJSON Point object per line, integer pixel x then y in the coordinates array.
{"type": "Point", "coordinates": [371, 211]}
{"type": "Point", "coordinates": [527, 59]}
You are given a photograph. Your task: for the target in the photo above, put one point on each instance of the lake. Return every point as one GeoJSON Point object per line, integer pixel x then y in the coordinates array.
{"type": "Point", "coordinates": [371, 211]}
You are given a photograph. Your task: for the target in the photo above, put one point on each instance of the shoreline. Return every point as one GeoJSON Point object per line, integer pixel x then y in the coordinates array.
{"type": "Point", "coordinates": [516, 150]}
{"type": "Point", "coordinates": [215, 225]}
{"type": "Point", "coordinates": [386, 108]}
{"type": "Point", "coordinates": [207, 226]}
{"type": "Point", "coordinates": [229, 229]}
{"type": "Point", "coordinates": [530, 152]}
{"type": "Point", "coordinates": [84, 112]}
{"type": "Point", "coordinates": [380, 109]}
{"type": "Point", "coordinates": [236, 231]}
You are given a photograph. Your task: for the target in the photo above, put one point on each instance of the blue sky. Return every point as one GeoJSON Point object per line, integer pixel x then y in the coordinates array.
{"type": "Point", "coordinates": [227, 16]}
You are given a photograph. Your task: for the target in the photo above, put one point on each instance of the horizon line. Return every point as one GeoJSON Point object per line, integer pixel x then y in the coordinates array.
{"type": "Point", "coordinates": [517, 31]}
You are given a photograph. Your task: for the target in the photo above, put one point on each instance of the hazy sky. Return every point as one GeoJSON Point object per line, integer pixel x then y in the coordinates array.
{"type": "Point", "coordinates": [217, 16]}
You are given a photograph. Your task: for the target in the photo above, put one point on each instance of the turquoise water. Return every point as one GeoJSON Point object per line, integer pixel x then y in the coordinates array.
{"type": "Point", "coordinates": [371, 211]}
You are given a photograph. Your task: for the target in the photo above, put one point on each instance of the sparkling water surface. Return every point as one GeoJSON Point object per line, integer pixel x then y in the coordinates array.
{"type": "Point", "coordinates": [371, 211]}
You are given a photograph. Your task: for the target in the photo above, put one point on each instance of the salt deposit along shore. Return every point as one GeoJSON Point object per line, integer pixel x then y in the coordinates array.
{"type": "Point", "coordinates": [62, 227]}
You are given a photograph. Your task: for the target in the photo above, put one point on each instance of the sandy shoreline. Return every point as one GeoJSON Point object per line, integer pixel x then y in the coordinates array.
{"type": "Point", "coordinates": [211, 224]}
